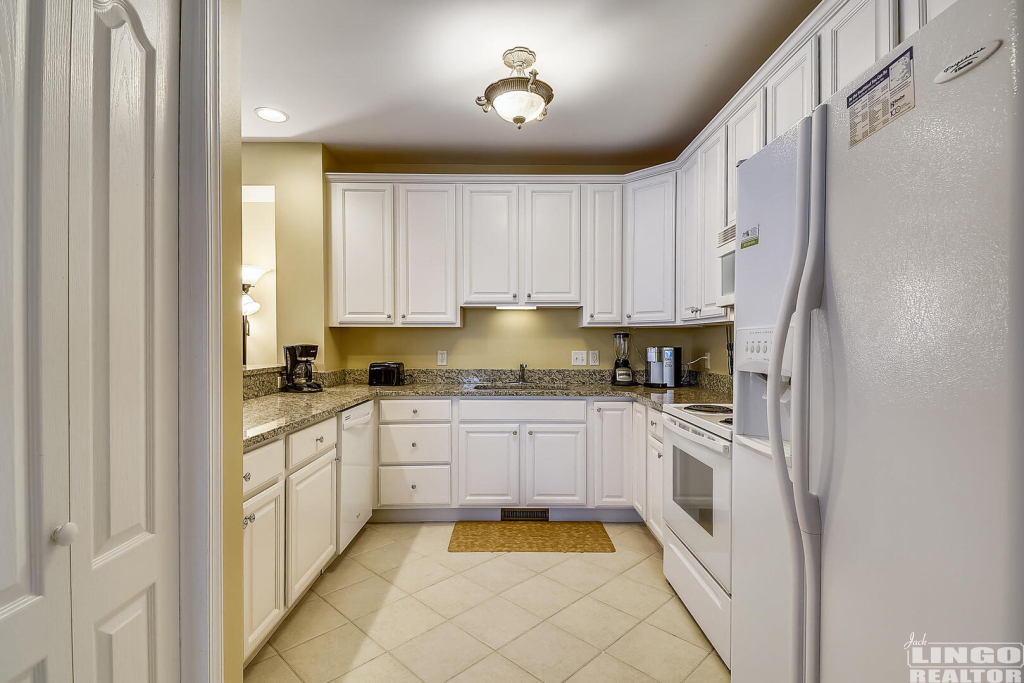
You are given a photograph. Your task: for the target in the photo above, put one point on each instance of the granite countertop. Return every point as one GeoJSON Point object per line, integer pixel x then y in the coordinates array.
{"type": "Point", "coordinates": [268, 417]}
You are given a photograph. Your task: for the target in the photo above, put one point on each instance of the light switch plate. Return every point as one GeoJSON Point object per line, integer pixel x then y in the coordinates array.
{"type": "Point", "coordinates": [579, 357]}
{"type": "Point", "coordinates": [442, 358]}
{"type": "Point", "coordinates": [594, 358]}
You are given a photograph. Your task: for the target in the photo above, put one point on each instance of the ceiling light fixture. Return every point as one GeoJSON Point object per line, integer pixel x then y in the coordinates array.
{"type": "Point", "coordinates": [272, 115]}
{"type": "Point", "coordinates": [518, 98]}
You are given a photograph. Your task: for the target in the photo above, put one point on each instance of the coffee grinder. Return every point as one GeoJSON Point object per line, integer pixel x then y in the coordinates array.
{"type": "Point", "coordinates": [298, 369]}
{"type": "Point", "coordinates": [623, 374]}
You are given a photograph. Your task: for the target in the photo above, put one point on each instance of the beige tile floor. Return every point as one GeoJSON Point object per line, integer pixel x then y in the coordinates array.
{"type": "Point", "coordinates": [397, 607]}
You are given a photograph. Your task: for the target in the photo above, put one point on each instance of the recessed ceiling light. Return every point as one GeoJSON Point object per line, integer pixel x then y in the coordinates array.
{"type": "Point", "coordinates": [272, 115]}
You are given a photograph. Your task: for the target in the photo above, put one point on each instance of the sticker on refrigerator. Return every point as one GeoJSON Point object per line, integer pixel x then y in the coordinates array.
{"type": "Point", "coordinates": [749, 236]}
{"type": "Point", "coordinates": [882, 99]}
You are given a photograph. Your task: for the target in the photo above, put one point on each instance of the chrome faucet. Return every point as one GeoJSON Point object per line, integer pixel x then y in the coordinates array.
{"type": "Point", "coordinates": [522, 373]}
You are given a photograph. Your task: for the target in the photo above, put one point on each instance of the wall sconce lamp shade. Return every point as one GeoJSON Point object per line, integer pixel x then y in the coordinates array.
{"type": "Point", "coordinates": [249, 305]}
{"type": "Point", "coordinates": [251, 274]}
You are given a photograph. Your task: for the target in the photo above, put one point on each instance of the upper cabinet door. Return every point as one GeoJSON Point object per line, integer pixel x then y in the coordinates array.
{"type": "Point", "coordinates": [490, 244]}
{"type": "Point", "coordinates": [711, 164]}
{"type": "Point", "coordinates": [689, 258]}
{"type": "Point", "coordinates": [916, 13]}
{"type": "Point", "coordinates": [650, 249]}
{"type": "Point", "coordinates": [852, 40]}
{"type": "Point", "coordinates": [792, 91]}
{"type": "Point", "coordinates": [362, 254]}
{"type": "Point", "coordinates": [745, 138]}
{"type": "Point", "coordinates": [427, 267]}
{"type": "Point", "coordinates": [551, 243]}
{"type": "Point", "coordinates": [602, 254]}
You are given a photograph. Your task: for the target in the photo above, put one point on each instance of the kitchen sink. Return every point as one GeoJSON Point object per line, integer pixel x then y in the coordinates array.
{"type": "Point", "coordinates": [519, 386]}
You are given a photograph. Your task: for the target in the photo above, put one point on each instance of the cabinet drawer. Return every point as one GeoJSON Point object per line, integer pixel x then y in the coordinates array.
{"type": "Point", "coordinates": [523, 410]}
{"type": "Point", "coordinates": [654, 424]}
{"type": "Point", "coordinates": [305, 443]}
{"type": "Point", "coordinates": [262, 465]}
{"type": "Point", "coordinates": [412, 411]}
{"type": "Point", "coordinates": [425, 485]}
{"type": "Point", "coordinates": [406, 444]}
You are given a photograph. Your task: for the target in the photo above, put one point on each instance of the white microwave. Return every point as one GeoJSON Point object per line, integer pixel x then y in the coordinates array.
{"type": "Point", "coordinates": [726, 253]}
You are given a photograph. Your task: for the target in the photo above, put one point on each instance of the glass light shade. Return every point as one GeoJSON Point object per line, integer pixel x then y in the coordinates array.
{"type": "Point", "coordinates": [249, 305]}
{"type": "Point", "coordinates": [250, 274]}
{"type": "Point", "coordinates": [272, 115]}
{"type": "Point", "coordinates": [509, 105]}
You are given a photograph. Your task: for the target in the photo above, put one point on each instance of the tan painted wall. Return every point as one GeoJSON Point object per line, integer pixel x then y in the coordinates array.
{"type": "Point", "coordinates": [231, 263]}
{"type": "Point", "coordinates": [544, 338]}
{"type": "Point", "coordinates": [259, 249]}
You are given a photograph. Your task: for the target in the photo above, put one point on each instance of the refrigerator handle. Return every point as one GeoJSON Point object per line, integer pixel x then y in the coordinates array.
{"type": "Point", "coordinates": [776, 388]}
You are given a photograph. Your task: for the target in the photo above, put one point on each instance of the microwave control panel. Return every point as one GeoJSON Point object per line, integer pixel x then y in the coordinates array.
{"type": "Point", "coordinates": [752, 348]}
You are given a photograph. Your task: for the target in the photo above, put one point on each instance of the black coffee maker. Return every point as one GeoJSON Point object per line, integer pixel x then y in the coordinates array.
{"type": "Point", "coordinates": [298, 368]}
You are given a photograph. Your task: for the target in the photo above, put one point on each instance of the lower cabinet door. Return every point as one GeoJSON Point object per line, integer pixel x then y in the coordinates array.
{"type": "Point", "coordinates": [640, 488]}
{"type": "Point", "coordinates": [262, 564]}
{"type": "Point", "coordinates": [613, 453]}
{"type": "Point", "coordinates": [655, 503]}
{"type": "Point", "coordinates": [489, 464]}
{"type": "Point", "coordinates": [554, 464]}
{"type": "Point", "coordinates": [312, 516]}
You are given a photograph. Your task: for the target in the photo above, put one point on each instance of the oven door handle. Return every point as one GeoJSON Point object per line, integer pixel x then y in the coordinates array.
{"type": "Point", "coordinates": [708, 442]}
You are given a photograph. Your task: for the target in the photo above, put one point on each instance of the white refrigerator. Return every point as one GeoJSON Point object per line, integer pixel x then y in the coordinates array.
{"type": "Point", "coordinates": [878, 456]}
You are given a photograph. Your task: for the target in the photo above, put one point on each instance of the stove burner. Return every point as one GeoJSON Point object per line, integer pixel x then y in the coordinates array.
{"type": "Point", "coordinates": [726, 421]}
{"type": "Point", "coordinates": [702, 408]}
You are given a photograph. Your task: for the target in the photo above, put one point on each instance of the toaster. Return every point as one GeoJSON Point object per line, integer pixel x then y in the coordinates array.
{"type": "Point", "coordinates": [389, 374]}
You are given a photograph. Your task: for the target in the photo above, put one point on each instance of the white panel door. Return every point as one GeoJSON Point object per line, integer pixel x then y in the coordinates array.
{"type": "Point", "coordinates": [123, 371]}
{"type": "Point", "coordinates": [490, 244]}
{"type": "Point", "coordinates": [640, 490]}
{"type": "Point", "coordinates": [550, 230]}
{"type": "Point", "coordinates": [427, 266]}
{"type": "Point", "coordinates": [852, 40]}
{"type": "Point", "coordinates": [916, 13]}
{"type": "Point", "coordinates": [489, 464]}
{"type": "Point", "coordinates": [711, 163]}
{"type": "Point", "coordinates": [792, 91]}
{"type": "Point", "coordinates": [655, 504]}
{"type": "Point", "coordinates": [689, 257]}
{"type": "Point", "coordinates": [362, 256]}
{"type": "Point", "coordinates": [554, 464]}
{"type": "Point", "coordinates": [262, 564]}
{"type": "Point", "coordinates": [602, 254]}
{"type": "Point", "coordinates": [613, 453]}
{"type": "Point", "coordinates": [745, 138]}
{"type": "Point", "coordinates": [312, 516]}
{"type": "Point", "coordinates": [35, 572]}
{"type": "Point", "coordinates": [650, 250]}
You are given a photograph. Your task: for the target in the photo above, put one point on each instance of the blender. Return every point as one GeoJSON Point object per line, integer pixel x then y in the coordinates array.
{"type": "Point", "coordinates": [623, 374]}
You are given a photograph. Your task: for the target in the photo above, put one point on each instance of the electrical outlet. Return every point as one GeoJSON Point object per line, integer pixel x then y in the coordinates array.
{"type": "Point", "coordinates": [579, 357]}
{"type": "Point", "coordinates": [594, 358]}
{"type": "Point", "coordinates": [442, 358]}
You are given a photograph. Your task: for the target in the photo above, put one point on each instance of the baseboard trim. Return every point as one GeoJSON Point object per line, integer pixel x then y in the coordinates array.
{"type": "Point", "coordinates": [610, 515]}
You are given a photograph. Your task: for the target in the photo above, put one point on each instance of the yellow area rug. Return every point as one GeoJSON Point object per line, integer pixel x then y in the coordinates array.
{"type": "Point", "coordinates": [530, 537]}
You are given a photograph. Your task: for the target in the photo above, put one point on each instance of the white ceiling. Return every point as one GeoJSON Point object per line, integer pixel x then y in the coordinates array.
{"type": "Point", "coordinates": [394, 81]}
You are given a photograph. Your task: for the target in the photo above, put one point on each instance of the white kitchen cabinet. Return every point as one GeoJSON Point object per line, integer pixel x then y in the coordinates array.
{"type": "Point", "coordinates": [655, 503]}
{"type": "Point", "coordinates": [490, 244]}
{"type": "Point", "coordinates": [853, 39]}
{"type": "Point", "coordinates": [792, 91]}
{"type": "Point", "coordinates": [649, 270]}
{"type": "Point", "coordinates": [550, 229]}
{"type": "Point", "coordinates": [427, 291]}
{"type": "Point", "coordinates": [414, 486]}
{"type": "Point", "coordinates": [711, 178]}
{"type": "Point", "coordinates": [640, 460]}
{"type": "Point", "coordinates": [489, 464]}
{"type": "Point", "coordinates": [612, 445]}
{"type": "Point", "coordinates": [916, 13]}
{"type": "Point", "coordinates": [689, 258]}
{"type": "Point", "coordinates": [263, 599]}
{"type": "Point", "coordinates": [311, 516]}
{"type": "Point", "coordinates": [602, 255]}
{"type": "Point", "coordinates": [745, 138]}
{"type": "Point", "coordinates": [362, 253]}
{"type": "Point", "coordinates": [554, 464]}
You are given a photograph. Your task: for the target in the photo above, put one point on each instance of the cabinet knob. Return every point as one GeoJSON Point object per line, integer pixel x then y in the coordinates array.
{"type": "Point", "coordinates": [515, 433]}
{"type": "Point", "coordinates": [414, 444]}
{"type": "Point", "coordinates": [591, 316]}
{"type": "Point", "coordinates": [403, 315]}
{"type": "Point", "coordinates": [599, 410]}
{"type": "Point", "coordinates": [659, 455]}
{"type": "Point", "coordinates": [514, 296]}
{"type": "Point", "coordinates": [414, 411]}
{"type": "Point", "coordinates": [358, 515]}
{"type": "Point", "coordinates": [629, 315]}
{"type": "Point", "coordinates": [414, 485]}
{"type": "Point", "coordinates": [528, 295]}
{"type": "Point", "coordinates": [530, 433]}
{"type": "Point", "coordinates": [389, 315]}
{"type": "Point", "coordinates": [319, 439]}
{"type": "Point", "coordinates": [65, 534]}
{"type": "Point", "coordinates": [653, 423]}
{"type": "Point", "coordinates": [246, 521]}
{"type": "Point", "coordinates": [247, 476]}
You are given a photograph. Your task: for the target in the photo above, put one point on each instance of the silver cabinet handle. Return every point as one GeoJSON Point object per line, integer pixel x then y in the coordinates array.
{"type": "Point", "coordinates": [414, 411]}
{"type": "Point", "coordinates": [389, 315]}
{"type": "Point", "coordinates": [629, 315]}
{"type": "Point", "coordinates": [246, 521]}
{"type": "Point", "coordinates": [599, 410]}
{"type": "Point", "coordinates": [528, 295]}
{"type": "Point", "coordinates": [414, 485]}
{"type": "Point", "coordinates": [530, 433]}
{"type": "Point", "coordinates": [358, 515]}
{"type": "Point", "coordinates": [591, 316]}
{"type": "Point", "coordinates": [247, 476]}
{"type": "Point", "coordinates": [414, 444]}
{"type": "Point", "coordinates": [319, 439]}
{"type": "Point", "coordinates": [403, 315]}
{"type": "Point", "coordinates": [659, 455]}
{"type": "Point", "coordinates": [653, 423]}
{"type": "Point", "coordinates": [515, 433]}
{"type": "Point", "coordinates": [514, 296]}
